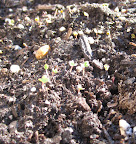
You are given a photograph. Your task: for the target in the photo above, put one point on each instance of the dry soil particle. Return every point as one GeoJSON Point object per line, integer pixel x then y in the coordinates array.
{"type": "Point", "coordinates": [59, 113]}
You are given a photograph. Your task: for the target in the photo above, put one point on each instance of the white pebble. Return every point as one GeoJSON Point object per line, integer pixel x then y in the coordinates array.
{"type": "Point", "coordinates": [47, 102]}
{"type": "Point", "coordinates": [122, 18]}
{"type": "Point", "coordinates": [15, 68]}
{"type": "Point", "coordinates": [61, 29]}
{"type": "Point", "coordinates": [124, 124]}
{"type": "Point", "coordinates": [17, 47]}
{"type": "Point", "coordinates": [69, 129]}
{"type": "Point", "coordinates": [27, 19]}
{"type": "Point", "coordinates": [20, 26]}
{"type": "Point", "coordinates": [24, 8]}
{"type": "Point", "coordinates": [116, 9]}
{"type": "Point", "coordinates": [98, 64]}
{"type": "Point", "coordinates": [91, 40]}
{"type": "Point", "coordinates": [33, 89]}
{"type": "Point", "coordinates": [134, 129]}
{"type": "Point", "coordinates": [134, 132]}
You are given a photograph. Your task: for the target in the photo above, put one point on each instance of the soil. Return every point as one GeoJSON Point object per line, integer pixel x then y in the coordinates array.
{"type": "Point", "coordinates": [61, 112]}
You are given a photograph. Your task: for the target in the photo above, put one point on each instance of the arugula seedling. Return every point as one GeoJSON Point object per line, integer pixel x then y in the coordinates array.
{"type": "Point", "coordinates": [85, 64]}
{"type": "Point", "coordinates": [54, 71]}
{"type": "Point", "coordinates": [44, 80]}
{"type": "Point", "coordinates": [79, 88]}
{"type": "Point", "coordinates": [72, 64]}
{"type": "Point", "coordinates": [46, 66]}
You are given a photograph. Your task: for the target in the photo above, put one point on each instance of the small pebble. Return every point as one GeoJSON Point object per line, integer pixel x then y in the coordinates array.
{"type": "Point", "coordinates": [24, 8]}
{"type": "Point", "coordinates": [134, 131]}
{"type": "Point", "coordinates": [122, 18]}
{"type": "Point", "coordinates": [27, 19]}
{"type": "Point", "coordinates": [10, 10]}
{"type": "Point", "coordinates": [98, 64]}
{"type": "Point", "coordinates": [125, 127]}
{"type": "Point", "coordinates": [17, 47]}
{"type": "Point", "coordinates": [20, 26]}
{"type": "Point", "coordinates": [61, 29]}
{"type": "Point", "coordinates": [124, 124]}
{"type": "Point", "coordinates": [33, 89]}
{"type": "Point", "coordinates": [79, 69]}
{"type": "Point", "coordinates": [116, 9]}
{"type": "Point", "coordinates": [15, 68]}
{"type": "Point", "coordinates": [1, 51]}
{"type": "Point", "coordinates": [42, 51]}
{"type": "Point", "coordinates": [91, 40]}
{"type": "Point", "coordinates": [47, 102]}
{"type": "Point", "coordinates": [29, 124]}
{"type": "Point", "coordinates": [124, 10]}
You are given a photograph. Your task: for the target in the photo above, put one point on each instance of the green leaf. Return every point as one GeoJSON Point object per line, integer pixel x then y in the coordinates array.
{"type": "Point", "coordinates": [71, 63]}
{"type": "Point", "coordinates": [44, 79]}
{"type": "Point", "coordinates": [55, 70]}
{"type": "Point", "coordinates": [86, 64]}
{"type": "Point", "coordinates": [46, 66]}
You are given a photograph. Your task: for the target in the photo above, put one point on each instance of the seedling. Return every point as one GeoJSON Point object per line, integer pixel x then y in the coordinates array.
{"type": "Point", "coordinates": [46, 66]}
{"type": "Point", "coordinates": [133, 36]}
{"type": "Point", "coordinates": [106, 67]}
{"type": "Point", "coordinates": [86, 14]}
{"type": "Point", "coordinates": [72, 64]}
{"type": "Point", "coordinates": [85, 64]}
{"type": "Point", "coordinates": [44, 80]}
{"type": "Point", "coordinates": [11, 22]}
{"type": "Point", "coordinates": [79, 88]}
{"type": "Point", "coordinates": [37, 19]}
{"type": "Point", "coordinates": [54, 71]}
{"type": "Point", "coordinates": [75, 33]}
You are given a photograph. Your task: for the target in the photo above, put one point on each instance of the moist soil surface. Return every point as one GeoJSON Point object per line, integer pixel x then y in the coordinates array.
{"type": "Point", "coordinates": [78, 104]}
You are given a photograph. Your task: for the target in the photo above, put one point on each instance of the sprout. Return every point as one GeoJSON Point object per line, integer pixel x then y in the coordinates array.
{"type": "Point", "coordinates": [106, 67]}
{"type": "Point", "coordinates": [54, 71]}
{"type": "Point", "coordinates": [10, 21]}
{"type": "Point", "coordinates": [46, 66]}
{"type": "Point", "coordinates": [75, 33]}
{"type": "Point", "coordinates": [44, 80]}
{"type": "Point", "coordinates": [79, 88]}
{"type": "Point", "coordinates": [72, 64]}
{"type": "Point", "coordinates": [37, 19]}
{"type": "Point", "coordinates": [85, 64]}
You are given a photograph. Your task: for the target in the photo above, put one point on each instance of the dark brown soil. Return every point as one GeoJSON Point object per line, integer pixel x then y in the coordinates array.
{"type": "Point", "coordinates": [58, 112]}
